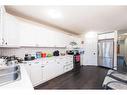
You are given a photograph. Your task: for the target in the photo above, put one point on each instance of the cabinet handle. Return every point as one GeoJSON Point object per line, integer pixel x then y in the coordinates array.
{"type": "Point", "coordinates": [25, 62]}
{"type": "Point", "coordinates": [42, 66]}
{"type": "Point", "coordinates": [3, 40]}
{"type": "Point", "coordinates": [6, 43]}
{"type": "Point", "coordinates": [36, 62]}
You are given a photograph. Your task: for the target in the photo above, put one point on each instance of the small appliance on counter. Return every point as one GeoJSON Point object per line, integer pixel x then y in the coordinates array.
{"type": "Point", "coordinates": [28, 57]}
{"type": "Point", "coordinates": [56, 53]}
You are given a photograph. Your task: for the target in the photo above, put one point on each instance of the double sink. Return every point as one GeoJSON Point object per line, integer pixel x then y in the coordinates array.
{"type": "Point", "coordinates": [9, 74]}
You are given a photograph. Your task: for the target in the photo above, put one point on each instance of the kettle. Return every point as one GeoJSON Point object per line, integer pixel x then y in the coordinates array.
{"type": "Point", "coordinates": [56, 53]}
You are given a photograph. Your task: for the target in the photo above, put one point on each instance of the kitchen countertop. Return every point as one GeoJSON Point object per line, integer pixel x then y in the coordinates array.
{"type": "Point", "coordinates": [48, 58]}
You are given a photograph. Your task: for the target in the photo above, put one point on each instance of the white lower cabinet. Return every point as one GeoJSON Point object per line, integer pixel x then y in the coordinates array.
{"type": "Point", "coordinates": [48, 70]}
{"type": "Point", "coordinates": [68, 64]}
{"type": "Point", "coordinates": [43, 70]}
{"type": "Point", "coordinates": [67, 68]}
{"type": "Point", "coordinates": [36, 74]}
{"type": "Point", "coordinates": [59, 66]}
{"type": "Point", "coordinates": [34, 70]}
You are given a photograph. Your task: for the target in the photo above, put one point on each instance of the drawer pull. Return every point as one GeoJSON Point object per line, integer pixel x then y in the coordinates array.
{"type": "Point", "coordinates": [42, 66]}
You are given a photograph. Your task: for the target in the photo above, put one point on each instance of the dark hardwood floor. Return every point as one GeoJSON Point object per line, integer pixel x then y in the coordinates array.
{"type": "Point", "coordinates": [87, 77]}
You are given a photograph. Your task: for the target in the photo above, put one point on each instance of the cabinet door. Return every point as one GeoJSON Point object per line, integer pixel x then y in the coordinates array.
{"type": "Point", "coordinates": [110, 35]}
{"type": "Point", "coordinates": [27, 34]}
{"type": "Point", "coordinates": [27, 67]}
{"type": "Point", "coordinates": [1, 28]}
{"type": "Point", "coordinates": [59, 66]}
{"type": "Point", "coordinates": [48, 70]}
{"type": "Point", "coordinates": [11, 31]}
{"type": "Point", "coordinates": [101, 36]}
{"type": "Point", "coordinates": [1, 24]}
{"type": "Point", "coordinates": [45, 38]}
{"type": "Point", "coordinates": [36, 74]}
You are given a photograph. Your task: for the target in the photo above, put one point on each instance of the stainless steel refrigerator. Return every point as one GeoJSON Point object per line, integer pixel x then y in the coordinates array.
{"type": "Point", "coordinates": [106, 53]}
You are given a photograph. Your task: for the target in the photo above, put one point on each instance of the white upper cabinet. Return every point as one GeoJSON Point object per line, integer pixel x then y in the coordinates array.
{"type": "Point", "coordinates": [1, 24]}
{"type": "Point", "coordinates": [28, 34]}
{"type": "Point", "coordinates": [9, 35]}
{"type": "Point", "coordinates": [11, 31]}
{"type": "Point", "coordinates": [16, 32]}
{"type": "Point", "coordinates": [106, 36]}
{"type": "Point", "coordinates": [101, 36]}
{"type": "Point", "coordinates": [33, 35]}
{"type": "Point", "coordinates": [110, 35]}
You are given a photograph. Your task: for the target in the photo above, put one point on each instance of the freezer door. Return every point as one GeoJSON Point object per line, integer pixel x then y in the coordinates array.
{"type": "Point", "coordinates": [100, 46]}
{"type": "Point", "coordinates": [108, 49]}
{"type": "Point", "coordinates": [101, 52]}
{"type": "Point", "coordinates": [105, 53]}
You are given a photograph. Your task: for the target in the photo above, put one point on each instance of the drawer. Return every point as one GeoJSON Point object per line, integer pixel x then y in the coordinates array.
{"type": "Point", "coordinates": [68, 68]}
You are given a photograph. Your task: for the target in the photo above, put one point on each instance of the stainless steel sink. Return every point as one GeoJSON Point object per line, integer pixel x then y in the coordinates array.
{"type": "Point", "coordinates": [9, 74]}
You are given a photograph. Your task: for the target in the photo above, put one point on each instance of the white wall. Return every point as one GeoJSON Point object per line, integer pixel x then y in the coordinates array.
{"type": "Point", "coordinates": [90, 47]}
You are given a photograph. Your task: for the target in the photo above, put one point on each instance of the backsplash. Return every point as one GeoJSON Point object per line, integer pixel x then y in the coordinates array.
{"type": "Point", "coordinates": [20, 52]}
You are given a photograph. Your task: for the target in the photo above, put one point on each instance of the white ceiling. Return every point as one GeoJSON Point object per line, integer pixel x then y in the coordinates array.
{"type": "Point", "coordinates": [79, 19]}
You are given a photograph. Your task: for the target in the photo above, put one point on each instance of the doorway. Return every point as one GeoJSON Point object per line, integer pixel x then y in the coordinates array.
{"type": "Point", "coordinates": [122, 52]}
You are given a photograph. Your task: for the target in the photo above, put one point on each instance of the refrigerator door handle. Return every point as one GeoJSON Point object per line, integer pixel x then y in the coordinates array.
{"type": "Point", "coordinates": [98, 49]}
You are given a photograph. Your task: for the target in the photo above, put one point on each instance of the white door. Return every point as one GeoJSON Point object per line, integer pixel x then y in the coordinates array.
{"type": "Point", "coordinates": [11, 31]}
{"type": "Point", "coordinates": [36, 74]}
{"type": "Point", "coordinates": [90, 55]}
